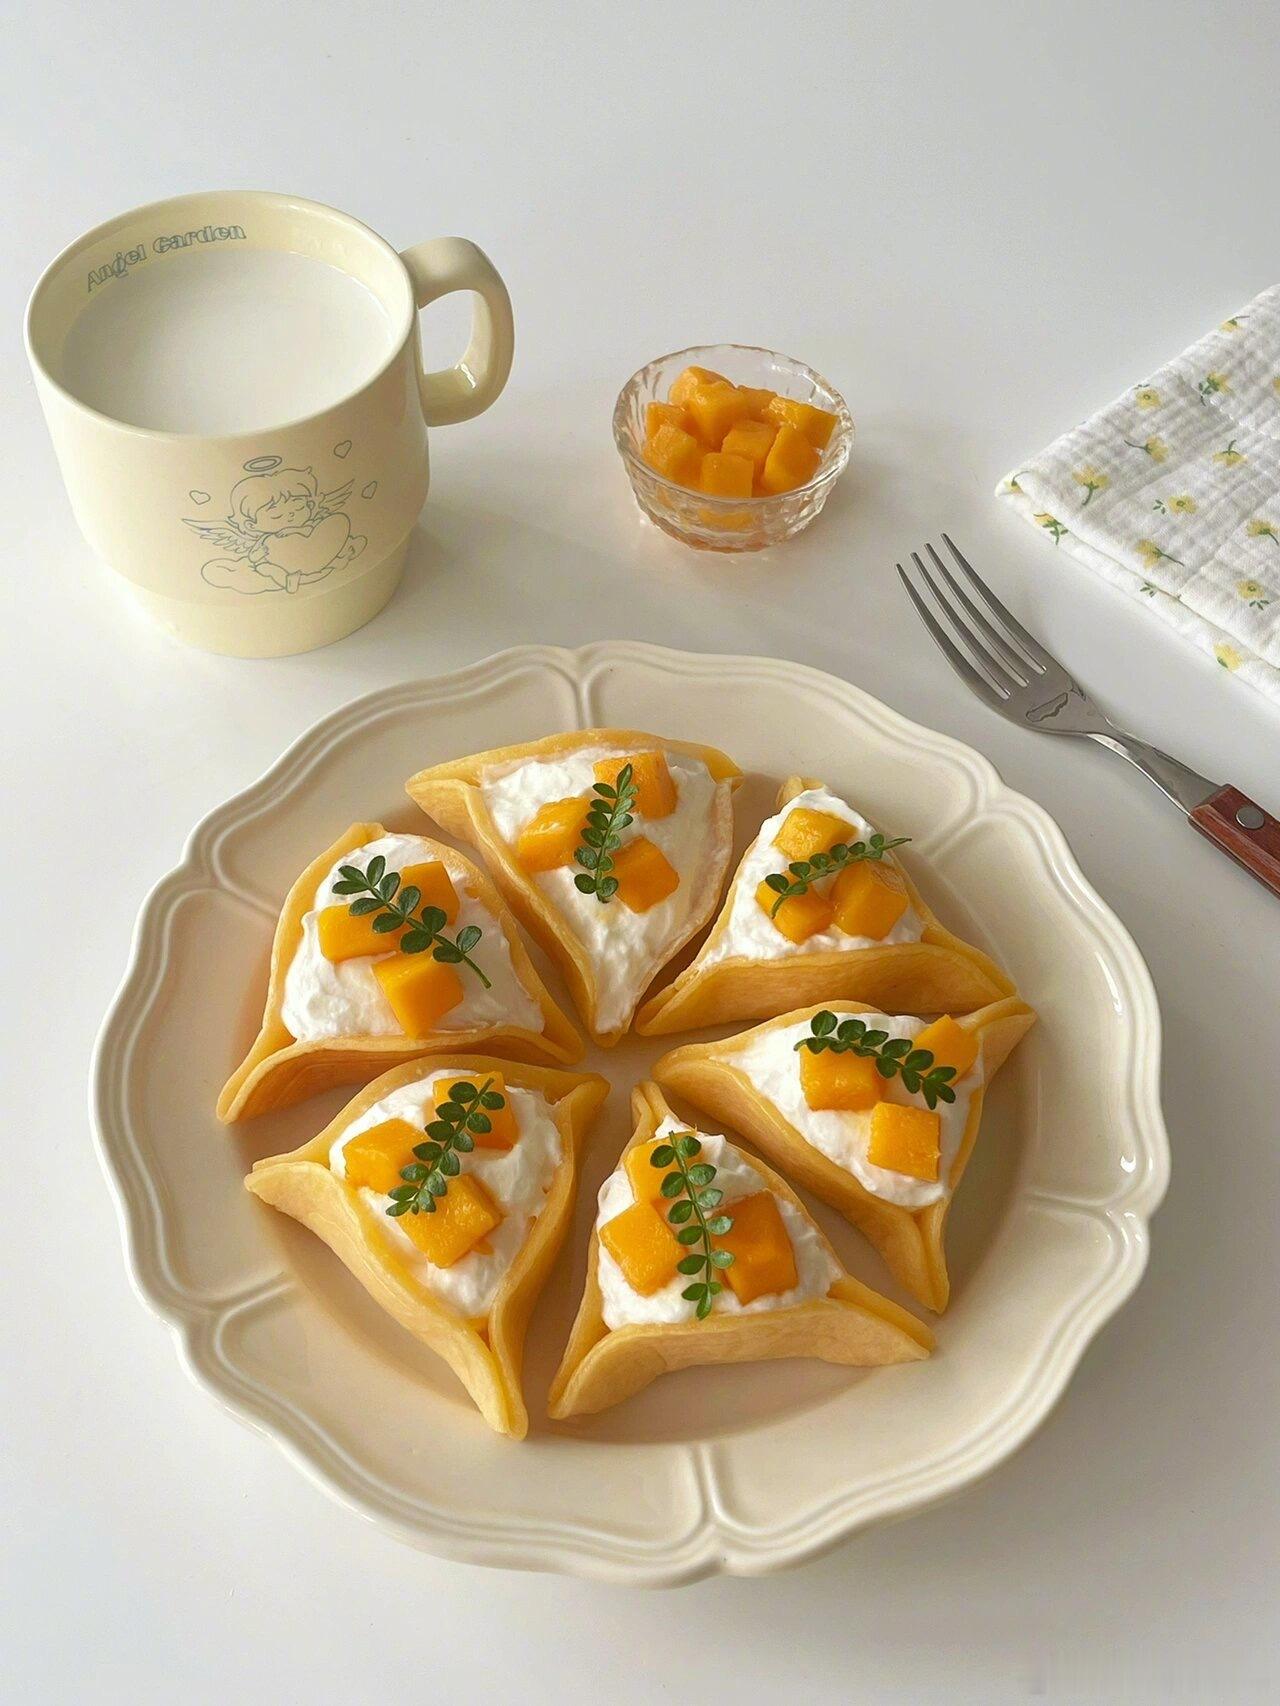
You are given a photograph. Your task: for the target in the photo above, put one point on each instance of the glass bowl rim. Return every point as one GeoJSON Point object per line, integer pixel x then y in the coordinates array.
{"type": "Point", "coordinates": [829, 470]}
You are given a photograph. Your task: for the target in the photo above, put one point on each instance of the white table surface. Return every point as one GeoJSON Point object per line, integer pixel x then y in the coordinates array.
{"type": "Point", "coordinates": [982, 221]}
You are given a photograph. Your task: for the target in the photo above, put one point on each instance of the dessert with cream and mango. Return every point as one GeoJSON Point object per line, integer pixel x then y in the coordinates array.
{"type": "Point", "coordinates": [389, 947]}
{"type": "Point", "coordinates": [701, 1254]}
{"type": "Point", "coordinates": [734, 441]}
{"type": "Point", "coordinates": [876, 1113]}
{"type": "Point", "coordinates": [610, 845]}
{"type": "Point", "coordinates": [446, 1188]}
{"type": "Point", "coordinates": [820, 909]}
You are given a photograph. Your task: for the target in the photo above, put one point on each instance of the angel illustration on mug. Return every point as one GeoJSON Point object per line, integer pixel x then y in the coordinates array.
{"type": "Point", "coordinates": [282, 533]}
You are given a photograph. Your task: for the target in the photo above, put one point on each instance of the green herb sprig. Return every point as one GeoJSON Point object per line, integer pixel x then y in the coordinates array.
{"type": "Point", "coordinates": [806, 871]}
{"type": "Point", "coordinates": [695, 1198]}
{"type": "Point", "coordinates": [448, 1136]}
{"type": "Point", "coordinates": [894, 1057]}
{"type": "Point", "coordinates": [608, 816]}
{"type": "Point", "coordinates": [379, 891]}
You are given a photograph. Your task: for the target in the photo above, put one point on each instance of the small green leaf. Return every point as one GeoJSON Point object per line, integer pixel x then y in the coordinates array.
{"type": "Point", "coordinates": [672, 1185]}
{"type": "Point", "coordinates": [822, 1024]}
{"type": "Point", "coordinates": [385, 924]}
{"type": "Point", "coordinates": [721, 1224]}
{"type": "Point", "coordinates": [704, 1307]}
{"type": "Point", "coordinates": [606, 888]}
{"type": "Point", "coordinates": [584, 884]}
{"type": "Point", "coordinates": [414, 942]}
{"type": "Point", "coordinates": [479, 1122]}
{"type": "Point", "coordinates": [409, 898]}
{"type": "Point", "coordinates": [680, 1212]}
{"type": "Point", "coordinates": [491, 1099]}
{"type": "Point", "coordinates": [448, 953]}
{"type": "Point", "coordinates": [701, 1173]}
{"type": "Point", "coordinates": [398, 1208]}
{"type": "Point", "coordinates": [376, 866]}
{"type": "Point", "coordinates": [777, 882]}
{"type": "Point", "coordinates": [689, 1235]}
{"type": "Point", "coordinates": [463, 1142]}
{"type": "Point", "coordinates": [432, 920]}
{"type": "Point", "coordinates": [686, 1145]}
{"type": "Point", "coordinates": [696, 1292]}
{"type": "Point", "coordinates": [468, 938]}
{"type": "Point", "coordinates": [691, 1264]}
{"type": "Point", "coordinates": [662, 1156]}
{"type": "Point", "coordinates": [450, 1166]}
{"type": "Point", "coordinates": [368, 903]}
{"type": "Point", "coordinates": [722, 1258]}
{"type": "Point", "coordinates": [710, 1198]}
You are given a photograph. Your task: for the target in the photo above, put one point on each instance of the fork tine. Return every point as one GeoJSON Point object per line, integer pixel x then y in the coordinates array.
{"type": "Point", "coordinates": [1035, 651]}
{"type": "Point", "coordinates": [959, 662]}
{"type": "Point", "coordinates": [1004, 679]}
{"type": "Point", "coordinates": [1017, 664]}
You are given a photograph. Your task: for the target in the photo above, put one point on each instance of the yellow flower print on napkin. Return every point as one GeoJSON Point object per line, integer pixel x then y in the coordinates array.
{"type": "Point", "coordinates": [1092, 479]}
{"type": "Point", "coordinates": [1211, 384]}
{"type": "Point", "coordinates": [1255, 595]}
{"type": "Point", "coordinates": [1151, 554]}
{"type": "Point", "coordinates": [1147, 397]}
{"type": "Point", "coordinates": [1182, 504]}
{"type": "Point", "coordinates": [1228, 656]}
{"type": "Point", "coordinates": [1051, 524]}
{"type": "Point", "coordinates": [1156, 448]}
{"type": "Point", "coordinates": [1260, 529]}
{"type": "Point", "coordinates": [1230, 457]}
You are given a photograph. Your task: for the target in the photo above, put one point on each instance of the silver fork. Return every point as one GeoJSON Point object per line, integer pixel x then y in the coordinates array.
{"type": "Point", "coordinates": [1010, 670]}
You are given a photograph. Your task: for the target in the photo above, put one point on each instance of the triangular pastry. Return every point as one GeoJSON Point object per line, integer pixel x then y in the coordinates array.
{"type": "Point", "coordinates": [526, 809]}
{"type": "Point", "coordinates": [786, 1293]}
{"type": "Point", "coordinates": [863, 933]}
{"type": "Point", "coordinates": [345, 1002]}
{"type": "Point", "coordinates": [862, 1142]}
{"type": "Point", "coordinates": [465, 1277]}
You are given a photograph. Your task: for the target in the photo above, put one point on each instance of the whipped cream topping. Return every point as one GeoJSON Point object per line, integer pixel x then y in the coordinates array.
{"type": "Point", "coordinates": [327, 998]}
{"type": "Point", "coordinates": [750, 933]}
{"type": "Point", "coordinates": [772, 1064]}
{"type": "Point", "coordinates": [737, 1178]}
{"type": "Point", "coordinates": [626, 948]}
{"type": "Point", "coordinates": [517, 1179]}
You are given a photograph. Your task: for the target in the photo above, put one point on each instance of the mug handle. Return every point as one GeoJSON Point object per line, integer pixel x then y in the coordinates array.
{"type": "Point", "coordinates": [436, 268]}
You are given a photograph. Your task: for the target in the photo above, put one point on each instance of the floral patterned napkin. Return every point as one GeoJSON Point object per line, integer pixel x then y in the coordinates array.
{"type": "Point", "coordinates": [1173, 493]}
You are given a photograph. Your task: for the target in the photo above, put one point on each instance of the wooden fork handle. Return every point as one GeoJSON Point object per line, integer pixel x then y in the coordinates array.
{"type": "Point", "coordinates": [1244, 831]}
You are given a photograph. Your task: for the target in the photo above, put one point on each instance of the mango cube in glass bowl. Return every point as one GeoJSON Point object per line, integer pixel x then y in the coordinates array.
{"type": "Point", "coordinates": [729, 447]}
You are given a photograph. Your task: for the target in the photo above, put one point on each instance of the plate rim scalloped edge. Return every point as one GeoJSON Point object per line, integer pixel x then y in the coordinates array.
{"type": "Point", "coordinates": [714, 1545]}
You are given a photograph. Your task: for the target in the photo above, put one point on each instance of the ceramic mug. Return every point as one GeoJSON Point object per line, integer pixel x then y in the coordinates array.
{"type": "Point", "coordinates": [278, 539]}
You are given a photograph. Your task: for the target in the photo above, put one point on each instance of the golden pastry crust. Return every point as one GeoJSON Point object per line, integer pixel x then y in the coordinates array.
{"type": "Point", "coordinates": [852, 1325]}
{"type": "Point", "coordinates": [909, 1240]}
{"type": "Point", "coordinates": [279, 1071]}
{"type": "Point", "coordinates": [485, 1354]}
{"type": "Point", "coordinates": [451, 794]}
{"type": "Point", "coordinates": [938, 974]}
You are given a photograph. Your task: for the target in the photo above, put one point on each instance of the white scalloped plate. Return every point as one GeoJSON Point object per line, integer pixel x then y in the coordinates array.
{"type": "Point", "coordinates": [739, 1469]}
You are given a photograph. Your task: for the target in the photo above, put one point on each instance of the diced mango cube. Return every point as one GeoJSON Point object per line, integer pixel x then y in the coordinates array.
{"type": "Point", "coordinates": [716, 408]}
{"type": "Point", "coordinates": [687, 382]}
{"type": "Point", "coordinates": [645, 874]}
{"type": "Point", "coordinates": [419, 989]}
{"type": "Point", "coordinates": [905, 1140]}
{"type": "Point", "coordinates": [553, 834]}
{"type": "Point", "coordinates": [800, 915]}
{"type": "Point", "coordinates": [791, 461]}
{"type": "Point", "coordinates": [817, 425]}
{"type": "Point", "coordinates": [764, 1261]}
{"type": "Point", "coordinates": [643, 1246]}
{"type": "Point", "coordinates": [759, 398]}
{"type": "Point", "coordinates": [464, 1216]}
{"type": "Point", "coordinates": [867, 900]}
{"type": "Point", "coordinates": [675, 454]}
{"type": "Point", "coordinates": [343, 937]}
{"type": "Point", "coordinates": [665, 414]}
{"type": "Point", "coordinates": [373, 1158]}
{"type": "Point", "coordinates": [725, 476]}
{"type": "Point", "coordinates": [949, 1044]}
{"type": "Point", "coordinates": [651, 776]}
{"type": "Point", "coordinates": [503, 1131]}
{"type": "Point", "coordinates": [848, 1082]}
{"type": "Point", "coordinates": [804, 832]}
{"type": "Point", "coordinates": [646, 1179]}
{"type": "Point", "coordinates": [752, 440]}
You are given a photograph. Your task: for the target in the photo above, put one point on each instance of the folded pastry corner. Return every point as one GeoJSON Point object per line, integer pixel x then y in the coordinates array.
{"type": "Point", "coordinates": [610, 845]}
{"type": "Point", "coordinates": [820, 909]}
{"type": "Point", "coordinates": [879, 1119]}
{"type": "Point", "coordinates": [359, 982]}
{"type": "Point", "coordinates": [503, 1140]}
{"type": "Point", "coordinates": [701, 1254]}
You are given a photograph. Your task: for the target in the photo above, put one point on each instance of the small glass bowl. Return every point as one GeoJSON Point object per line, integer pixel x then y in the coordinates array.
{"type": "Point", "coordinates": [728, 524]}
